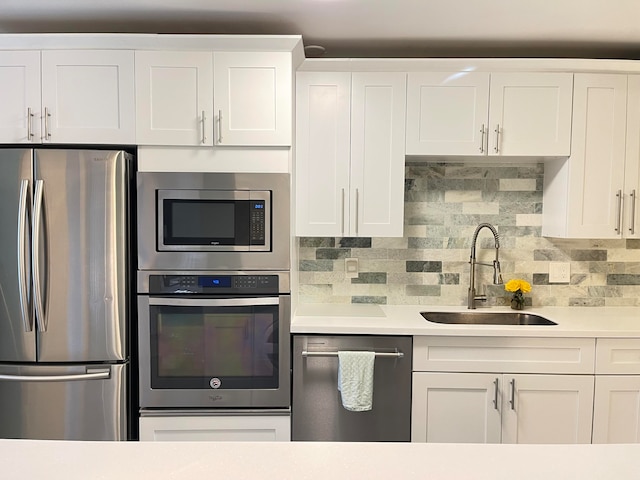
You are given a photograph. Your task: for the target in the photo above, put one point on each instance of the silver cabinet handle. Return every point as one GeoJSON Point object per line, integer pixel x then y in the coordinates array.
{"type": "Point", "coordinates": [212, 302]}
{"type": "Point", "coordinates": [483, 131]}
{"type": "Point", "coordinates": [343, 215]}
{"type": "Point", "coordinates": [29, 124]}
{"type": "Point", "coordinates": [632, 225]}
{"type": "Point", "coordinates": [22, 257]}
{"type": "Point", "coordinates": [47, 116]}
{"type": "Point", "coordinates": [357, 206]}
{"type": "Point", "coordinates": [219, 126]}
{"type": "Point", "coordinates": [619, 212]}
{"type": "Point", "coordinates": [497, 131]}
{"type": "Point", "coordinates": [512, 401]}
{"type": "Point", "coordinates": [35, 252]}
{"type": "Point", "coordinates": [495, 393]}
{"type": "Point", "coordinates": [90, 375]}
{"type": "Point", "coordinates": [204, 132]}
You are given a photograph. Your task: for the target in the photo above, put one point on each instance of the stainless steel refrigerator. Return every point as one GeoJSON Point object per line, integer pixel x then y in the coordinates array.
{"type": "Point", "coordinates": [64, 362]}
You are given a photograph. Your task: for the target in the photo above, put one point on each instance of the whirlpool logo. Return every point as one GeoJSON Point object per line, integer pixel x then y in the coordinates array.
{"type": "Point", "coordinates": [215, 398]}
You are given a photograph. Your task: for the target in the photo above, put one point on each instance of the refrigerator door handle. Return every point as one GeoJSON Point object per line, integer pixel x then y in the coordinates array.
{"type": "Point", "coordinates": [92, 374]}
{"type": "Point", "coordinates": [22, 257]}
{"type": "Point", "coordinates": [35, 264]}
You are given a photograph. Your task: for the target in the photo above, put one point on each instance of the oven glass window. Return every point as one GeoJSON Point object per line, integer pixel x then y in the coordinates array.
{"type": "Point", "coordinates": [237, 345]}
{"type": "Point", "coordinates": [205, 222]}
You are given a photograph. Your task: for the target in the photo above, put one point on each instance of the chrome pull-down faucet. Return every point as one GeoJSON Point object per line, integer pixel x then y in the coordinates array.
{"type": "Point", "coordinates": [497, 274]}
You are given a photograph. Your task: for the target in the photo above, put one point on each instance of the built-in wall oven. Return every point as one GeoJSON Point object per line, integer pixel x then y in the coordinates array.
{"type": "Point", "coordinates": [214, 339]}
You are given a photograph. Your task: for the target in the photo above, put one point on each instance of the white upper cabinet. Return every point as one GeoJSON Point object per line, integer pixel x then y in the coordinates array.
{"type": "Point", "coordinates": [447, 113]}
{"type": "Point", "coordinates": [497, 114]}
{"type": "Point", "coordinates": [593, 193]}
{"type": "Point", "coordinates": [174, 98]}
{"type": "Point", "coordinates": [88, 96]}
{"type": "Point", "coordinates": [350, 172]}
{"type": "Point", "coordinates": [20, 97]}
{"type": "Point", "coordinates": [252, 98]}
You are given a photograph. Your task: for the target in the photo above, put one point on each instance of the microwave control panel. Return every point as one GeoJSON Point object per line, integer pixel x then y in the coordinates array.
{"type": "Point", "coordinates": [257, 222]}
{"type": "Point", "coordinates": [213, 284]}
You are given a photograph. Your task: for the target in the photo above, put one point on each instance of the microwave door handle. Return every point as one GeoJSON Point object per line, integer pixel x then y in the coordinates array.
{"type": "Point", "coordinates": [213, 302]}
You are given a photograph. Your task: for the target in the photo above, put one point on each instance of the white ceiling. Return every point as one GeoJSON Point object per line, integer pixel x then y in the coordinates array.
{"type": "Point", "coordinates": [382, 28]}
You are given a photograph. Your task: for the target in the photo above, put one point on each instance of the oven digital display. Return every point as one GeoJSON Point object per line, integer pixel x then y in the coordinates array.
{"type": "Point", "coordinates": [215, 282]}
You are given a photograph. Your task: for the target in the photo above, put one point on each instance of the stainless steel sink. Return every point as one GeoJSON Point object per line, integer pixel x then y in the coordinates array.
{"type": "Point", "coordinates": [486, 318]}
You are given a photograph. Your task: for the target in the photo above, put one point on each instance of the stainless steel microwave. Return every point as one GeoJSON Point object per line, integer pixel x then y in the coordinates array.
{"type": "Point", "coordinates": [213, 221]}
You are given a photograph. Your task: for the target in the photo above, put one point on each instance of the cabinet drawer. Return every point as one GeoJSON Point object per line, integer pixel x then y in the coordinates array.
{"type": "Point", "coordinates": [618, 355]}
{"type": "Point", "coordinates": [504, 354]}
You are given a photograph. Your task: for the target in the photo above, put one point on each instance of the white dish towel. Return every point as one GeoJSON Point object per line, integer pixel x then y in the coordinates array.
{"type": "Point", "coordinates": [355, 380]}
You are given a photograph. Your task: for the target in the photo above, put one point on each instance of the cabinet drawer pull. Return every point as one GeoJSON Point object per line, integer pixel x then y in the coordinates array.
{"type": "Point", "coordinates": [204, 131]}
{"type": "Point", "coordinates": [497, 131]}
{"type": "Point", "coordinates": [495, 394]}
{"type": "Point", "coordinates": [512, 401]}
{"type": "Point", "coordinates": [483, 131]}
{"type": "Point", "coordinates": [619, 211]}
{"type": "Point", "coordinates": [29, 124]}
{"type": "Point", "coordinates": [47, 116]}
{"type": "Point", "coordinates": [219, 126]}
{"type": "Point", "coordinates": [632, 225]}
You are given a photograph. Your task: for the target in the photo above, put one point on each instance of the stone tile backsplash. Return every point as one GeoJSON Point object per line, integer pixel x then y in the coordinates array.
{"type": "Point", "coordinates": [444, 203]}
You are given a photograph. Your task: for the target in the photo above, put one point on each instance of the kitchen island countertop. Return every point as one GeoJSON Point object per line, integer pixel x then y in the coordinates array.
{"type": "Point", "coordinates": [367, 319]}
{"type": "Point", "coordinates": [58, 460]}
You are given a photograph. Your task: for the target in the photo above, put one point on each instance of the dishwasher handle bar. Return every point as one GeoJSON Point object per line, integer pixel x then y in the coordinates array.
{"type": "Point", "coordinates": [306, 353]}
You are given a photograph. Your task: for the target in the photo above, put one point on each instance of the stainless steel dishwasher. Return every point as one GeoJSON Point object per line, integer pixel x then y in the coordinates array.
{"type": "Point", "coordinates": [317, 413]}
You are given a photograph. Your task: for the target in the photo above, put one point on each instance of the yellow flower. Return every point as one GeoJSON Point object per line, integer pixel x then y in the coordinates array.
{"type": "Point", "coordinates": [518, 284]}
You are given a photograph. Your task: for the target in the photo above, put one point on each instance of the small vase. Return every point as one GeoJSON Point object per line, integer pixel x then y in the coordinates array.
{"type": "Point", "coordinates": [516, 305]}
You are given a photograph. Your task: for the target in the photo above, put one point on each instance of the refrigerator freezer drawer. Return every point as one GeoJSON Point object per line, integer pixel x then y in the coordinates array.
{"type": "Point", "coordinates": [80, 402]}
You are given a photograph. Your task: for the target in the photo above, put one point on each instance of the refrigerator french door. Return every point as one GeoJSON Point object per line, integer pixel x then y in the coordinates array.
{"type": "Point", "coordinates": [63, 297]}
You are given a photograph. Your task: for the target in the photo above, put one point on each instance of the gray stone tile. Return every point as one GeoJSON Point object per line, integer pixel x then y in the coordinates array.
{"type": "Point", "coordinates": [316, 265]}
{"type": "Point", "coordinates": [355, 242]}
{"type": "Point", "coordinates": [423, 266]}
{"type": "Point", "coordinates": [317, 242]}
{"type": "Point", "coordinates": [332, 253]}
{"type": "Point", "coordinates": [623, 279]}
{"type": "Point", "coordinates": [369, 299]}
{"type": "Point", "coordinates": [423, 290]}
{"type": "Point", "coordinates": [589, 255]}
{"type": "Point", "coordinates": [370, 277]}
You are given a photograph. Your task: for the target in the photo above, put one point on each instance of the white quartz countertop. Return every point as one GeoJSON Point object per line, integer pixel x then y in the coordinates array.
{"type": "Point", "coordinates": [59, 460]}
{"type": "Point", "coordinates": [367, 319]}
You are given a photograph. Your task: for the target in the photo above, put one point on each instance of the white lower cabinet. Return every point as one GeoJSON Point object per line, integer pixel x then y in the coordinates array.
{"type": "Point", "coordinates": [220, 428]}
{"type": "Point", "coordinates": [616, 415]}
{"type": "Point", "coordinates": [502, 390]}
{"type": "Point", "coordinates": [501, 408]}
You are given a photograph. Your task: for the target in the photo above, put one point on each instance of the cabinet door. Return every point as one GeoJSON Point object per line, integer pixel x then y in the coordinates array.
{"type": "Point", "coordinates": [631, 218]}
{"type": "Point", "coordinates": [174, 98]}
{"type": "Point", "coordinates": [88, 96]}
{"type": "Point", "coordinates": [20, 97]}
{"type": "Point", "coordinates": [216, 428]}
{"type": "Point", "coordinates": [456, 408]}
{"type": "Point", "coordinates": [616, 412]}
{"type": "Point", "coordinates": [447, 113]}
{"type": "Point", "coordinates": [530, 114]}
{"type": "Point", "coordinates": [547, 408]}
{"type": "Point", "coordinates": [322, 152]}
{"type": "Point", "coordinates": [378, 106]}
{"type": "Point", "coordinates": [252, 94]}
{"type": "Point", "coordinates": [596, 164]}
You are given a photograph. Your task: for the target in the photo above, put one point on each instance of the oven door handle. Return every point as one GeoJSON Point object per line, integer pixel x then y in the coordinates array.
{"type": "Point", "coordinates": [213, 302]}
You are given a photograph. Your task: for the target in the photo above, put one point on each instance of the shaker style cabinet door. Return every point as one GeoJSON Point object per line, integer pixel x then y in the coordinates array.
{"type": "Point", "coordinates": [630, 223]}
{"type": "Point", "coordinates": [456, 408]}
{"type": "Point", "coordinates": [447, 113]}
{"type": "Point", "coordinates": [252, 95]}
{"type": "Point", "coordinates": [323, 149]}
{"type": "Point", "coordinates": [596, 166]}
{"type": "Point", "coordinates": [616, 410]}
{"type": "Point", "coordinates": [88, 96]}
{"type": "Point", "coordinates": [174, 98]}
{"type": "Point", "coordinates": [547, 408]}
{"type": "Point", "coordinates": [378, 106]}
{"type": "Point", "coordinates": [530, 114]}
{"type": "Point", "coordinates": [20, 97]}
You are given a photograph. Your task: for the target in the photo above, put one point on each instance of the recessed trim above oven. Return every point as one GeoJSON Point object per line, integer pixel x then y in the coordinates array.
{"type": "Point", "coordinates": [213, 221]}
